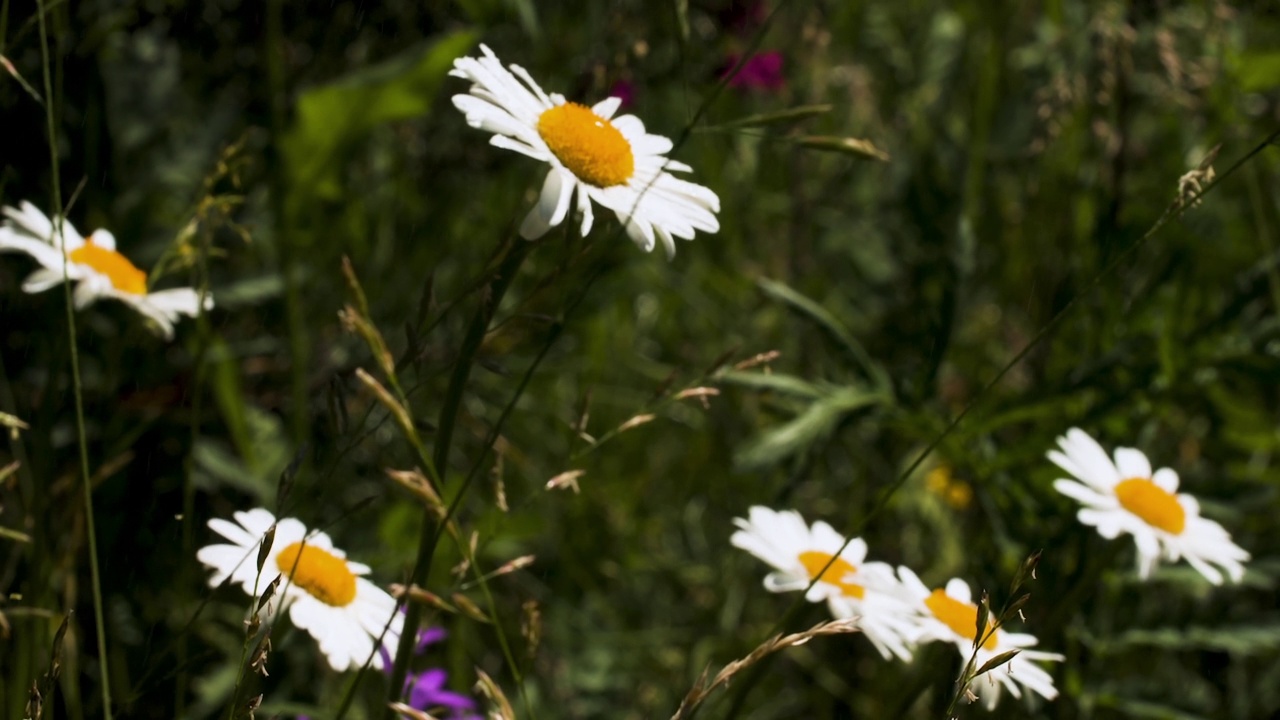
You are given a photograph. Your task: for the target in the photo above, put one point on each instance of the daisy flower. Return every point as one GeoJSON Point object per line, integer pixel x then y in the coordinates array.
{"type": "Point", "coordinates": [950, 615]}
{"type": "Point", "coordinates": [593, 157]}
{"type": "Point", "coordinates": [323, 591]}
{"type": "Point", "coordinates": [1126, 497]}
{"type": "Point", "coordinates": [94, 263]}
{"type": "Point", "coordinates": [850, 585]}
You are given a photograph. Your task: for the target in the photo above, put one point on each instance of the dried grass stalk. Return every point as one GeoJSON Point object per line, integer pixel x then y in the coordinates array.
{"type": "Point", "coordinates": [701, 688]}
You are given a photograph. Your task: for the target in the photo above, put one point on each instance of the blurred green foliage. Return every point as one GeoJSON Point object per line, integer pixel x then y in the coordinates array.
{"type": "Point", "coordinates": [1031, 147]}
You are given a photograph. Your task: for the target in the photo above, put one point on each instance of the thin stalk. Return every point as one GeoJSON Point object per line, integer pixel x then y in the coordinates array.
{"type": "Point", "coordinates": [188, 483]}
{"type": "Point", "coordinates": [285, 233]}
{"type": "Point", "coordinates": [96, 579]}
{"type": "Point", "coordinates": [248, 638]}
{"type": "Point", "coordinates": [517, 250]}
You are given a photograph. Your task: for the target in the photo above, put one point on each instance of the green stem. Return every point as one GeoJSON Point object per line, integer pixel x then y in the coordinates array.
{"type": "Point", "coordinates": [506, 272]}
{"type": "Point", "coordinates": [286, 236]}
{"type": "Point", "coordinates": [91, 533]}
{"type": "Point", "coordinates": [188, 484]}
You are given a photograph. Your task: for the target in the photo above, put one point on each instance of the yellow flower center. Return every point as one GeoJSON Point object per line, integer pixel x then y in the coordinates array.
{"type": "Point", "coordinates": [590, 146]}
{"type": "Point", "coordinates": [1156, 506]}
{"type": "Point", "coordinates": [324, 575]}
{"type": "Point", "coordinates": [122, 273]}
{"type": "Point", "coordinates": [961, 617]}
{"type": "Point", "coordinates": [815, 561]}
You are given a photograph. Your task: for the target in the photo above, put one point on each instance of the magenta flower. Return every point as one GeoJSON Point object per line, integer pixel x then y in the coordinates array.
{"type": "Point", "coordinates": [624, 90]}
{"type": "Point", "coordinates": [425, 690]}
{"type": "Point", "coordinates": [760, 72]}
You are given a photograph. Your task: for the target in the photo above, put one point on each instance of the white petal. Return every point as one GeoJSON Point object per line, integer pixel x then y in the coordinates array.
{"type": "Point", "coordinates": [1132, 463]}
{"type": "Point", "coordinates": [640, 234]}
{"type": "Point", "coordinates": [551, 207]}
{"type": "Point", "coordinates": [103, 239]}
{"type": "Point", "coordinates": [40, 251]}
{"type": "Point", "coordinates": [179, 301]}
{"type": "Point", "coordinates": [584, 206]}
{"type": "Point", "coordinates": [607, 107]}
{"type": "Point", "coordinates": [91, 289]}
{"type": "Point", "coordinates": [41, 280]}
{"type": "Point", "coordinates": [785, 582]}
{"type": "Point", "coordinates": [256, 521]}
{"type": "Point", "coordinates": [232, 532]}
{"type": "Point", "coordinates": [1208, 571]}
{"type": "Point", "coordinates": [630, 126]}
{"type": "Point", "coordinates": [1090, 457]}
{"type": "Point", "coordinates": [523, 148]}
{"type": "Point", "coordinates": [1166, 479]}
{"type": "Point", "coordinates": [162, 318]}
{"type": "Point", "coordinates": [959, 590]}
{"type": "Point", "coordinates": [1084, 494]}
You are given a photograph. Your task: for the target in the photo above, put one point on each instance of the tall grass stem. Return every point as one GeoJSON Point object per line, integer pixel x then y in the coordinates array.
{"type": "Point", "coordinates": [104, 669]}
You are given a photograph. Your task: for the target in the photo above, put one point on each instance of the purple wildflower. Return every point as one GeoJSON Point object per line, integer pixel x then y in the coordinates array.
{"type": "Point", "coordinates": [425, 690]}
{"type": "Point", "coordinates": [759, 72]}
{"type": "Point", "coordinates": [624, 90]}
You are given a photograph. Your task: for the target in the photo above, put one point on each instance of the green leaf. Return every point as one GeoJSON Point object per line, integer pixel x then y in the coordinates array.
{"type": "Point", "coordinates": [218, 465]}
{"type": "Point", "coordinates": [1241, 640]}
{"type": "Point", "coordinates": [782, 291]}
{"type": "Point", "coordinates": [780, 117]}
{"type": "Point", "coordinates": [331, 118]}
{"type": "Point", "coordinates": [777, 382]}
{"type": "Point", "coordinates": [810, 426]}
{"type": "Point", "coordinates": [682, 19]}
{"type": "Point", "coordinates": [857, 147]}
{"type": "Point", "coordinates": [230, 399]}
{"type": "Point", "coordinates": [1144, 709]}
{"type": "Point", "coordinates": [1258, 71]}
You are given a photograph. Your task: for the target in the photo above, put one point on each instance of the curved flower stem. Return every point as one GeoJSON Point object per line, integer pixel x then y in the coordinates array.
{"type": "Point", "coordinates": [96, 579]}
{"type": "Point", "coordinates": [515, 252]}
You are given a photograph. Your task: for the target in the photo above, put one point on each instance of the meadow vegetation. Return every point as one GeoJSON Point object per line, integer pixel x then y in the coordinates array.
{"type": "Point", "coordinates": [944, 234]}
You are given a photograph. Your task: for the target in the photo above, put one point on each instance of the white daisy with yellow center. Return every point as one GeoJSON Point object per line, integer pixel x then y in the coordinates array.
{"type": "Point", "coordinates": [950, 615]}
{"type": "Point", "coordinates": [593, 156]}
{"type": "Point", "coordinates": [852, 586]}
{"type": "Point", "coordinates": [1126, 497]}
{"type": "Point", "coordinates": [93, 262]}
{"type": "Point", "coordinates": [323, 591]}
